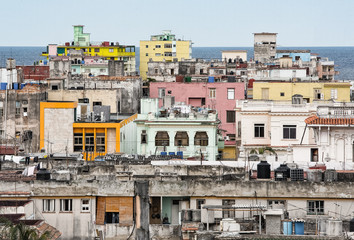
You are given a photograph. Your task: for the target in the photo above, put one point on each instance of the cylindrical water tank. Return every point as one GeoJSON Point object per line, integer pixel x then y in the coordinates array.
{"type": "Point", "coordinates": [299, 228]}
{"type": "Point", "coordinates": [287, 227]}
{"type": "Point", "coordinates": [263, 170]}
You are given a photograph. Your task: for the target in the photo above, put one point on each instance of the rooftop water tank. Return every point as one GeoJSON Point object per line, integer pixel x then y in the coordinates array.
{"type": "Point", "coordinates": [43, 174]}
{"type": "Point", "coordinates": [263, 170]}
{"type": "Point", "coordinates": [282, 173]}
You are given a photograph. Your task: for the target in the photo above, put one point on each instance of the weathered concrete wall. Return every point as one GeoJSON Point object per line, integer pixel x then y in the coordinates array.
{"type": "Point", "coordinates": [115, 68]}
{"type": "Point", "coordinates": [25, 118]}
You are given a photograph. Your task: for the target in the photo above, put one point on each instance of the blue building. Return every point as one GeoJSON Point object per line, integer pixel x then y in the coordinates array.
{"type": "Point", "coordinates": [304, 55]}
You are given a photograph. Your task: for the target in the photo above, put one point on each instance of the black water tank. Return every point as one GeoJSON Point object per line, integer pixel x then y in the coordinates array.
{"type": "Point", "coordinates": [282, 173]}
{"type": "Point", "coordinates": [263, 170]}
{"type": "Point", "coordinates": [351, 225]}
{"type": "Point", "coordinates": [43, 174]}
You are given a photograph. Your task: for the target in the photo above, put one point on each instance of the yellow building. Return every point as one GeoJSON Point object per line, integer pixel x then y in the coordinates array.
{"type": "Point", "coordinates": [60, 133]}
{"type": "Point", "coordinates": [307, 91]}
{"type": "Point", "coordinates": [163, 47]}
{"type": "Point", "coordinates": [106, 50]}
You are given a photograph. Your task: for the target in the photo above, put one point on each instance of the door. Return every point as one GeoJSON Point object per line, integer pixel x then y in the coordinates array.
{"type": "Point", "coordinates": [175, 212]}
{"type": "Point", "coordinates": [265, 93]}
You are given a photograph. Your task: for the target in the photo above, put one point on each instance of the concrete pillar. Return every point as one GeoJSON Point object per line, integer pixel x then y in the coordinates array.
{"type": "Point", "coordinates": [142, 210]}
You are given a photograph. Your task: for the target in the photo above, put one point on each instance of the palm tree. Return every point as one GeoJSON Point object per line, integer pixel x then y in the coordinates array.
{"type": "Point", "coordinates": [20, 231]}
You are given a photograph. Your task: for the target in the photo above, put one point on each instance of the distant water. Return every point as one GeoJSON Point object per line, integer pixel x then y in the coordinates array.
{"type": "Point", "coordinates": [342, 56]}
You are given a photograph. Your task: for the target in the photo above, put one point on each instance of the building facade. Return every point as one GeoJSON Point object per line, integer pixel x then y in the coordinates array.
{"type": "Point", "coordinates": [164, 47]}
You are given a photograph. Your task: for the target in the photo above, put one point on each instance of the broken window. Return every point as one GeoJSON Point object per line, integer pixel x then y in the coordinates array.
{"type": "Point", "coordinates": [162, 139]}
{"type": "Point", "coordinates": [181, 139]}
{"type": "Point", "coordinates": [112, 217]}
{"type": "Point", "coordinates": [66, 205]}
{"type": "Point", "coordinates": [201, 139]}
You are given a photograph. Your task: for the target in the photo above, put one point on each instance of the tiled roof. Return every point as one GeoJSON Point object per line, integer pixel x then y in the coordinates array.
{"type": "Point", "coordinates": [315, 120]}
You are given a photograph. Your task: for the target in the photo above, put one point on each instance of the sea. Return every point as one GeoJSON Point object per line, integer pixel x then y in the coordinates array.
{"type": "Point", "coordinates": [343, 57]}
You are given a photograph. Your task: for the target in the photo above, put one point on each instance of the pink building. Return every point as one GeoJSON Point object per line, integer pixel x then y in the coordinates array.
{"type": "Point", "coordinates": [221, 96]}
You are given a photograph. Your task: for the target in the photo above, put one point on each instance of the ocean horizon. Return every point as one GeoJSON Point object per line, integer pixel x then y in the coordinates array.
{"type": "Point", "coordinates": [341, 55]}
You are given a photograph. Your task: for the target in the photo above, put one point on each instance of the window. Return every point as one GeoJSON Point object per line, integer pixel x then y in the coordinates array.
{"type": "Point", "coordinates": [168, 54]}
{"type": "Point", "coordinates": [97, 104]}
{"type": "Point", "coordinates": [112, 217]}
{"type": "Point", "coordinates": [276, 204]}
{"type": "Point", "coordinates": [146, 54]}
{"type": "Point", "coordinates": [201, 139]}
{"type": "Point", "coordinates": [78, 142]}
{"type": "Point", "coordinates": [282, 94]}
{"type": "Point", "coordinates": [55, 87]}
{"type": "Point", "coordinates": [289, 132]}
{"type": "Point", "coordinates": [156, 70]}
{"type": "Point", "coordinates": [162, 139]}
{"type": "Point", "coordinates": [48, 205]}
{"type": "Point", "coordinates": [168, 45]}
{"type": "Point", "coordinates": [18, 107]}
{"type": "Point", "coordinates": [143, 136]}
{"type": "Point", "coordinates": [239, 129]}
{"type": "Point", "coordinates": [146, 46]}
{"type": "Point", "coordinates": [102, 70]}
{"type": "Point", "coordinates": [228, 213]}
{"type": "Point", "coordinates": [85, 205]}
{"type": "Point", "coordinates": [230, 116]}
{"type": "Point", "coordinates": [66, 205]}
{"type": "Point", "coordinates": [334, 94]}
{"type": "Point", "coordinates": [181, 139]}
{"type": "Point", "coordinates": [97, 50]}
{"type": "Point", "coordinates": [315, 207]}
{"type": "Point", "coordinates": [297, 58]}
{"type": "Point", "coordinates": [111, 50]}
{"type": "Point", "coordinates": [232, 137]}
{"type": "Point", "coordinates": [100, 142]}
{"type": "Point", "coordinates": [89, 142]}
{"type": "Point", "coordinates": [157, 54]}
{"type": "Point", "coordinates": [230, 93]}
{"type": "Point", "coordinates": [317, 93]}
{"type": "Point", "coordinates": [212, 92]}
{"type": "Point", "coordinates": [297, 99]}
{"type": "Point", "coordinates": [158, 46]}
{"type": "Point", "coordinates": [199, 203]}
{"type": "Point", "coordinates": [1, 109]}
{"type": "Point", "coordinates": [161, 92]}
{"type": "Point", "coordinates": [259, 130]}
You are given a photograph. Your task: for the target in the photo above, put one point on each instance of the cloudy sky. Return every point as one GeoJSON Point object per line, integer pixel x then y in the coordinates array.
{"type": "Point", "coordinates": [224, 23]}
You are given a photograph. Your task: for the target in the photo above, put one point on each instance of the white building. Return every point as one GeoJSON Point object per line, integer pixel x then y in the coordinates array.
{"type": "Point", "coordinates": [275, 124]}
{"type": "Point", "coordinates": [333, 130]}
{"type": "Point", "coordinates": [179, 129]}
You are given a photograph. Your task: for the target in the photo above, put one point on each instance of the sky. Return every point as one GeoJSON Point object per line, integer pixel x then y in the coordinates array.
{"type": "Point", "coordinates": [217, 23]}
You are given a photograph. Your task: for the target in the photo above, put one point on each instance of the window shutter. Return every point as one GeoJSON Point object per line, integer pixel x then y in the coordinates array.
{"type": "Point", "coordinates": [101, 210]}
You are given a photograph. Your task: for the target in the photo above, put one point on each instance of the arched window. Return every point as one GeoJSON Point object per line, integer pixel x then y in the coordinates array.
{"type": "Point", "coordinates": [162, 139]}
{"type": "Point", "coordinates": [201, 139]}
{"type": "Point", "coordinates": [181, 139]}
